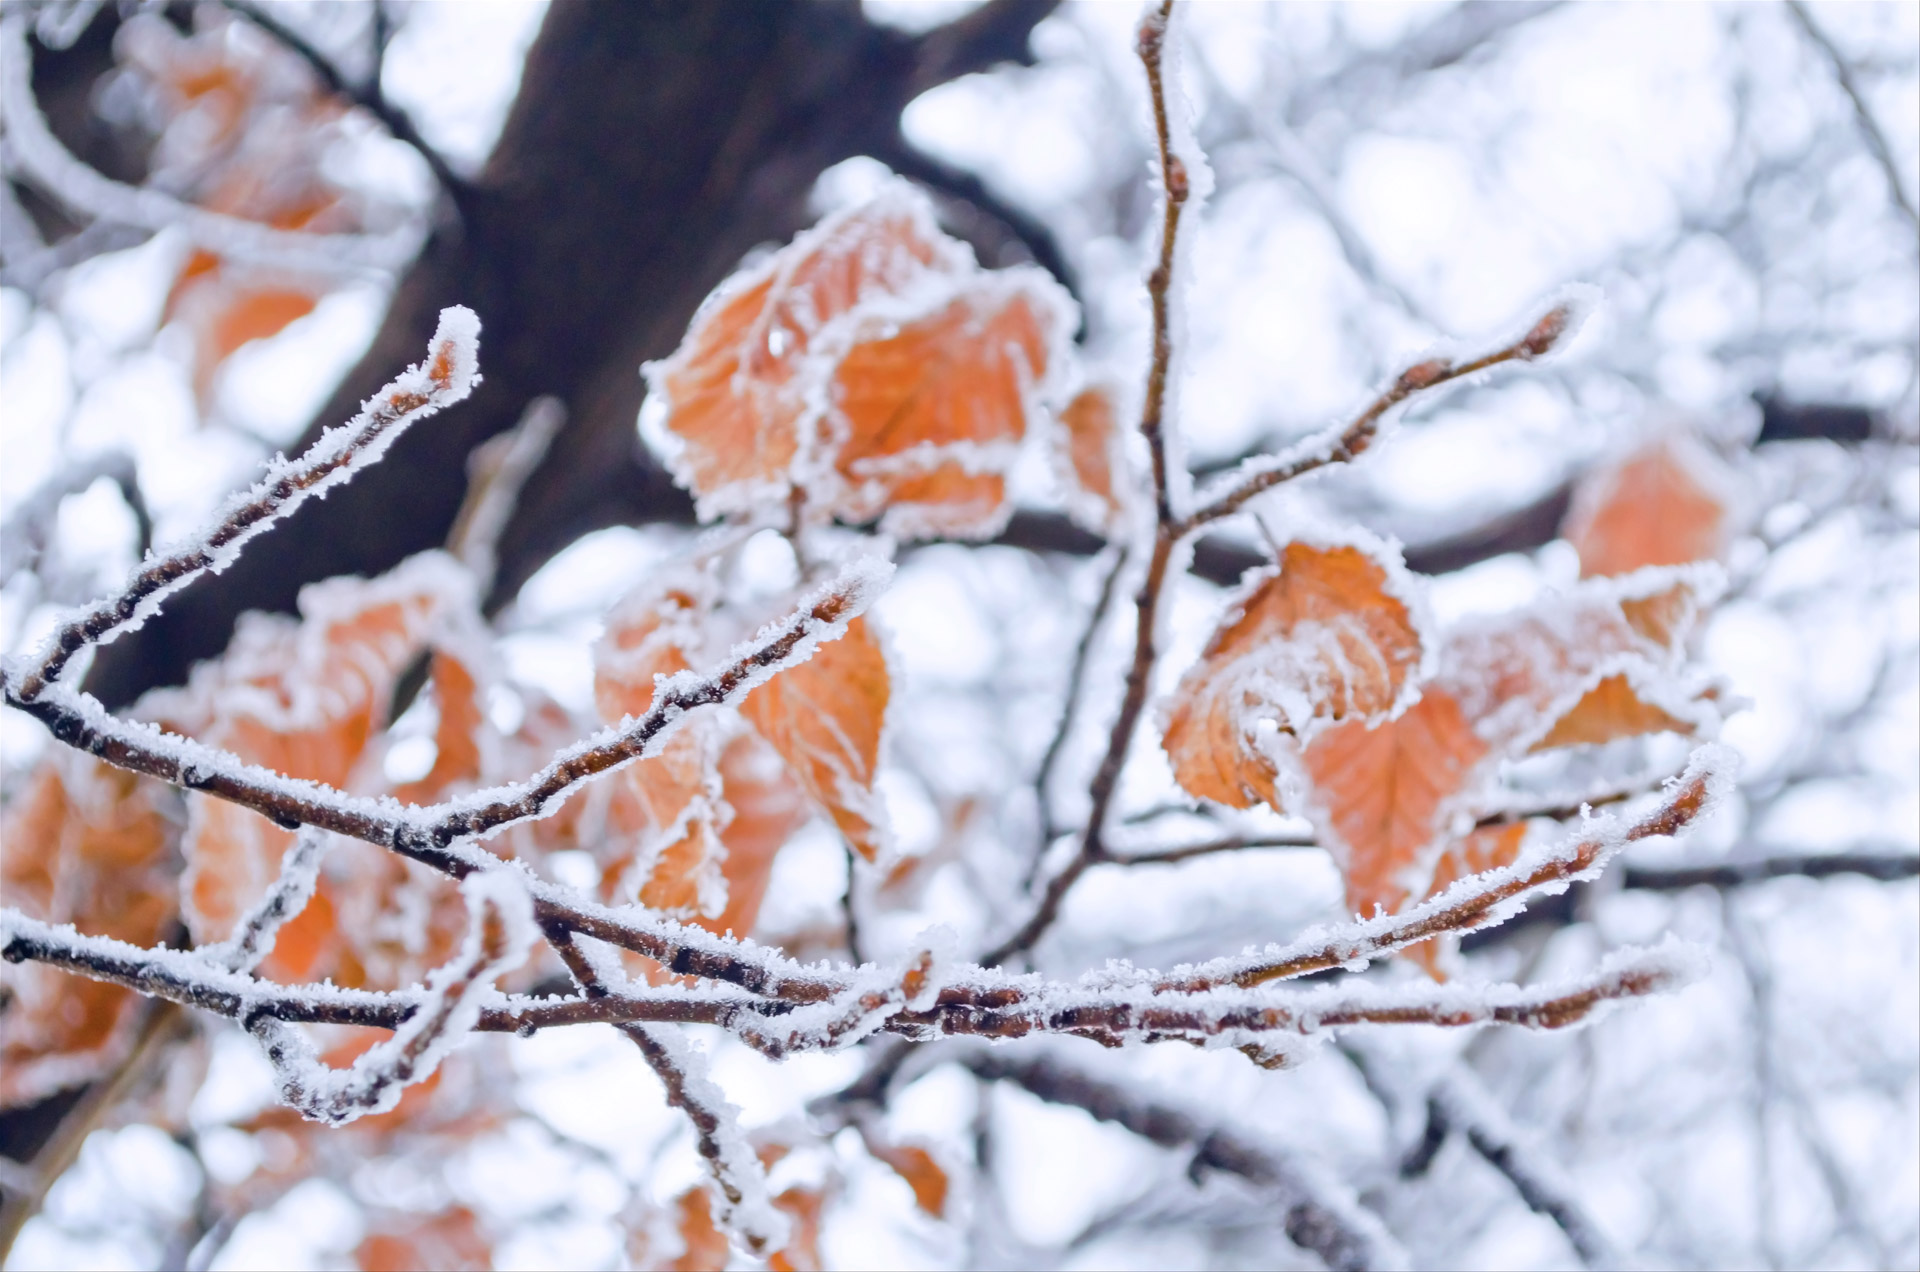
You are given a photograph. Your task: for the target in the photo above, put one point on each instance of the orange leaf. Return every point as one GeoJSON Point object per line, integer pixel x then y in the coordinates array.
{"type": "Point", "coordinates": [736, 389]}
{"type": "Point", "coordinates": [91, 845]}
{"type": "Point", "coordinates": [451, 1240]}
{"type": "Point", "coordinates": [304, 698]}
{"type": "Point", "coordinates": [1611, 709]}
{"type": "Point", "coordinates": [1383, 796]}
{"type": "Point", "coordinates": [1667, 503]}
{"type": "Point", "coordinates": [824, 717]}
{"type": "Point", "coordinates": [1517, 675]}
{"type": "Point", "coordinates": [924, 1175]}
{"type": "Point", "coordinates": [703, 1246]}
{"type": "Point", "coordinates": [803, 1206]}
{"type": "Point", "coordinates": [933, 411]}
{"type": "Point", "coordinates": [768, 807]}
{"type": "Point", "coordinates": [1092, 444]}
{"type": "Point", "coordinates": [1325, 637]}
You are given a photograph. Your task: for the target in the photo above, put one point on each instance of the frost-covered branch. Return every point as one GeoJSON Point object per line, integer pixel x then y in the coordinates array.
{"type": "Point", "coordinates": [1459, 1102]}
{"type": "Point", "coordinates": [743, 1205]}
{"type": "Point", "coordinates": [1479, 900]}
{"type": "Point", "coordinates": [1343, 442]}
{"type": "Point", "coordinates": [285, 898]}
{"type": "Point", "coordinates": [500, 931]}
{"type": "Point", "coordinates": [35, 152]}
{"type": "Point", "coordinates": [450, 372]}
{"type": "Point", "coordinates": [877, 996]}
{"type": "Point", "coordinates": [192, 979]}
{"type": "Point", "coordinates": [1321, 1214]}
{"type": "Point", "coordinates": [436, 835]}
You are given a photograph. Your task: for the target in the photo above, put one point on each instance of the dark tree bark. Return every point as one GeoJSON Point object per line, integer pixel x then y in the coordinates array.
{"type": "Point", "coordinates": [652, 144]}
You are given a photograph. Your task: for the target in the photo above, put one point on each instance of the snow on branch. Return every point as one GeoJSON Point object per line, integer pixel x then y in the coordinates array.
{"type": "Point", "coordinates": [433, 835]}
{"type": "Point", "coordinates": [1346, 441]}
{"type": "Point", "coordinates": [448, 375]}
{"type": "Point", "coordinates": [745, 1208]}
{"type": "Point", "coordinates": [192, 979]}
{"type": "Point", "coordinates": [500, 931]}
{"type": "Point", "coordinates": [877, 996]}
{"type": "Point", "coordinates": [35, 152]}
{"type": "Point", "coordinates": [1480, 900]}
{"type": "Point", "coordinates": [254, 935]}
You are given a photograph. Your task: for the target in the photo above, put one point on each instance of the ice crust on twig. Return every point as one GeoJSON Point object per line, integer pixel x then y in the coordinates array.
{"type": "Point", "coordinates": [254, 935]}
{"type": "Point", "coordinates": [500, 932]}
{"type": "Point", "coordinates": [448, 375]}
{"type": "Point", "coordinates": [743, 1204]}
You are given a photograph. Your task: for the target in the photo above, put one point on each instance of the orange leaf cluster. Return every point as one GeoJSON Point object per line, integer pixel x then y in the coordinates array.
{"type": "Point", "coordinates": [308, 699]}
{"type": "Point", "coordinates": [868, 370]}
{"type": "Point", "coordinates": [403, 1241]}
{"type": "Point", "coordinates": [1321, 695]}
{"type": "Point", "coordinates": [694, 830]}
{"type": "Point", "coordinates": [244, 130]}
{"type": "Point", "coordinates": [90, 845]}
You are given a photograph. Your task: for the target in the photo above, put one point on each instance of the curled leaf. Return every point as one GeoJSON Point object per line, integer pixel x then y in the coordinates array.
{"type": "Point", "coordinates": [1328, 636]}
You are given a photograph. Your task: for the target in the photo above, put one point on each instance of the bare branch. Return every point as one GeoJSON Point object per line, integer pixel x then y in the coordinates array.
{"type": "Point", "coordinates": [500, 931]}
{"type": "Point", "coordinates": [1459, 1101]}
{"type": "Point", "coordinates": [1887, 867]}
{"type": "Point", "coordinates": [1186, 852]}
{"type": "Point", "coordinates": [995, 32]}
{"type": "Point", "coordinates": [367, 96]}
{"type": "Point", "coordinates": [1319, 1217]}
{"type": "Point", "coordinates": [1342, 444]}
{"type": "Point", "coordinates": [1869, 126]}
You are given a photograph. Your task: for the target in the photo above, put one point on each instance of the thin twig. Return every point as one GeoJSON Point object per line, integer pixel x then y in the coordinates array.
{"type": "Point", "coordinates": [1076, 679]}
{"type": "Point", "coordinates": [1354, 438]}
{"type": "Point", "coordinates": [1186, 852]}
{"type": "Point", "coordinates": [739, 1181]}
{"type": "Point", "coordinates": [1887, 867]}
{"type": "Point", "coordinates": [1475, 902]}
{"type": "Point", "coordinates": [366, 95]}
{"type": "Point", "coordinates": [1869, 126]}
{"type": "Point", "coordinates": [1106, 779]}
{"type": "Point", "coordinates": [1325, 1220]}
{"type": "Point", "coordinates": [446, 377]}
